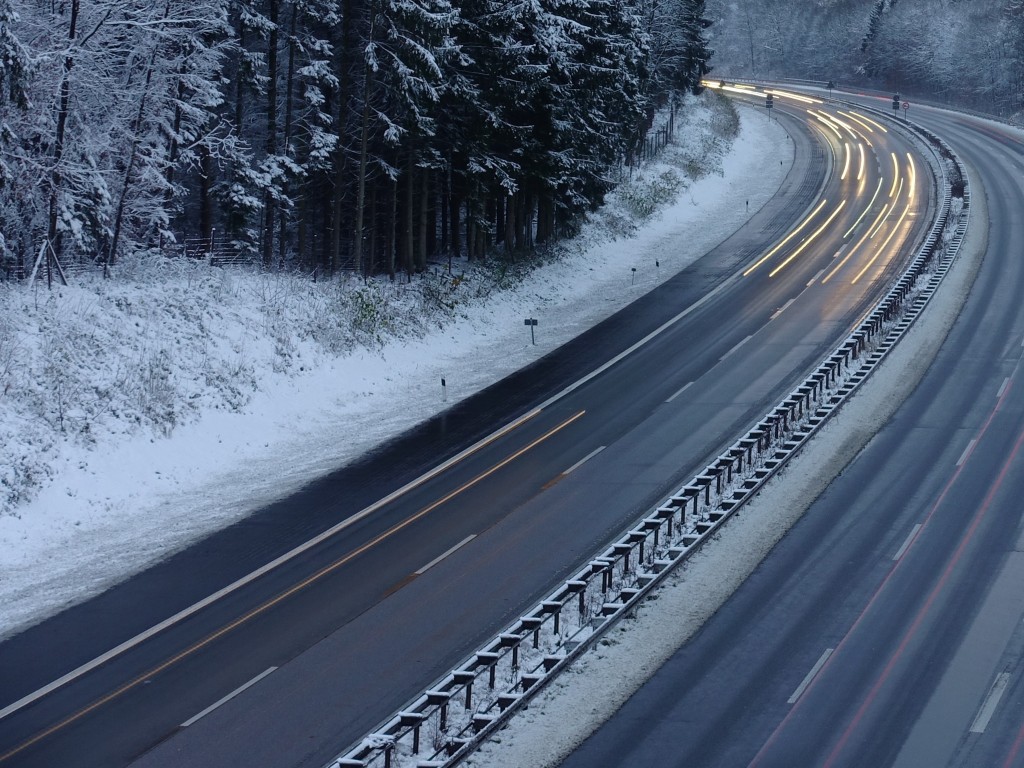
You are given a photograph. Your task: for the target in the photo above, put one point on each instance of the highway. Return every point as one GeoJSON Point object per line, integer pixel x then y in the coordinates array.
{"type": "Point", "coordinates": [886, 628]}
{"type": "Point", "coordinates": [423, 550]}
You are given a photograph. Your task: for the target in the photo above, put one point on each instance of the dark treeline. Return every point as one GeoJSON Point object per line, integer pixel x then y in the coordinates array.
{"type": "Point", "coordinates": [360, 134]}
{"type": "Point", "coordinates": [968, 53]}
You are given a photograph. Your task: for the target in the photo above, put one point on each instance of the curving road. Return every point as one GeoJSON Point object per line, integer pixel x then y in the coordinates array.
{"type": "Point", "coordinates": [411, 567]}
{"type": "Point", "coordinates": [887, 627]}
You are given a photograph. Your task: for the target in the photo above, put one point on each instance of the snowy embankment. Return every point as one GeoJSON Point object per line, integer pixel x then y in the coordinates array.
{"type": "Point", "coordinates": [590, 692]}
{"type": "Point", "coordinates": [140, 413]}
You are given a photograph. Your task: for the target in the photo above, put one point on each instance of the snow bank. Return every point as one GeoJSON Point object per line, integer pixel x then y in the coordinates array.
{"type": "Point", "coordinates": [590, 692]}
{"type": "Point", "coordinates": [137, 415]}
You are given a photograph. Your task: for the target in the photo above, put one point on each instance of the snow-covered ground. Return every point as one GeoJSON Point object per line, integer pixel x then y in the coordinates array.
{"type": "Point", "coordinates": [589, 692]}
{"type": "Point", "coordinates": [178, 398]}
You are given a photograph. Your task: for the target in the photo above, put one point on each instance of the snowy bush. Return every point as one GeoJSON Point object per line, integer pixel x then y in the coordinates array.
{"type": "Point", "coordinates": [168, 339]}
{"type": "Point", "coordinates": [647, 195]}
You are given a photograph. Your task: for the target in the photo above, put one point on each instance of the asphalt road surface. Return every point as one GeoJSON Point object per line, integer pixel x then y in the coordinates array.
{"type": "Point", "coordinates": [886, 628]}
{"type": "Point", "coordinates": [425, 549]}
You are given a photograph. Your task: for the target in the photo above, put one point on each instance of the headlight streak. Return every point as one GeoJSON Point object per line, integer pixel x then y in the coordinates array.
{"type": "Point", "coordinates": [808, 241]}
{"type": "Point", "coordinates": [846, 162]}
{"type": "Point", "coordinates": [845, 125]}
{"type": "Point", "coordinates": [831, 120]}
{"type": "Point", "coordinates": [881, 248]}
{"type": "Point", "coordinates": [737, 89]}
{"type": "Point", "coordinates": [879, 126]}
{"type": "Point", "coordinates": [860, 168]}
{"type": "Point", "coordinates": [857, 120]}
{"type": "Point", "coordinates": [822, 120]}
{"type": "Point", "coordinates": [794, 96]}
{"type": "Point", "coordinates": [900, 189]}
{"type": "Point", "coordinates": [895, 174]}
{"type": "Point", "coordinates": [863, 239]}
{"type": "Point", "coordinates": [788, 237]}
{"type": "Point", "coordinates": [871, 202]}
{"type": "Point", "coordinates": [912, 172]}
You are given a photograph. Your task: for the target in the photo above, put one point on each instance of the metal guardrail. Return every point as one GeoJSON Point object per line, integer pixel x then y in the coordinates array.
{"type": "Point", "coordinates": [446, 722]}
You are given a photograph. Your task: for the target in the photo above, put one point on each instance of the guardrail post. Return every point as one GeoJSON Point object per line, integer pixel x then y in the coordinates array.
{"type": "Point", "coordinates": [554, 607]}
{"type": "Point", "coordinates": [465, 677]}
{"type": "Point", "coordinates": [581, 588]}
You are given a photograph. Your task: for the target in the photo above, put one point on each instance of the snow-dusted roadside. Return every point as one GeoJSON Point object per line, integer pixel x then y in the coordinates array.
{"type": "Point", "coordinates": [132, 498]}
{"type": "Point", "coordinates": [576, 704]}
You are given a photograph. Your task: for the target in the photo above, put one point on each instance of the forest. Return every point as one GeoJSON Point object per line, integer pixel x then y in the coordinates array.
{"type": "Point", "coordinates": [966, 53]}
{"type": "Point", "coordinates": [361, 135]}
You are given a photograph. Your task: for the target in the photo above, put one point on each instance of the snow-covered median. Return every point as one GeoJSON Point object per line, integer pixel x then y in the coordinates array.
{"type": "Point", "coordinates": [141, 413]}
{"type": "Point", "coordinates": [576, 704]}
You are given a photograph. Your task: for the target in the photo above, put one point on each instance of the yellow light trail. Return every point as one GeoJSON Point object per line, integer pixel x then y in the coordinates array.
{"type": "Point", "coordinates": [870, 203]}
{"type": "Point", "coordinates": [794, 96]}
{"type": "Point", "coordinates": [843, 123]}
{"type": "Point", "coordinates": [881, 248]}
{"type": "Point", "coordinates": [857, 120]}
{"type": "Point", "coordinates": [896, 174]}
{"type": "Point", "coordinates": [860, 168]}
{"type": "Point", "coordinates": [809, 240]}
{"type": "Point", "coordinates": [822, 120]}
{"type": "Point", "coordinates": [846, 163]}
{"type": "Point", "coordinates": [913, 177]}
{"type": "Point", "coordinates": [271, 602]}
{"type": "Point", "coordinates": [737, 89]}
{"type": "Point", "coordinates": [831, 120]}
{"type": "Point", "coordinates": [789, 237]}
{"type": "Point", "coordinates": [879, 126]}
{"type": "Point", "coordinates": [875, 232]}
{"type": "Point", "coordinates": [867, 235]}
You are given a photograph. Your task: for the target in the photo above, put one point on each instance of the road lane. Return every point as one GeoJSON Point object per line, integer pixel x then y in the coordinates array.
{"type": "Point", "coordinates": [649, 446]}
{"type": "Point", "coordinates": [901, 583]}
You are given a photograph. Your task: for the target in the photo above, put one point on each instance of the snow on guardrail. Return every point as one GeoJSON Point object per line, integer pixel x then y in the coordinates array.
{"type": "Point", "coordinates": [446, 722]}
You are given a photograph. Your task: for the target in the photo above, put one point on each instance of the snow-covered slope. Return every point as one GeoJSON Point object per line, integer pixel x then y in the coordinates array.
{"type": "Point", "coordinates": [138, 414]}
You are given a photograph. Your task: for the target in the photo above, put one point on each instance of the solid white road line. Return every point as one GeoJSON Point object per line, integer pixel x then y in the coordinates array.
{"type": "Point", "coordinates": [906, 544]}
{"type": "Point", "coordinates": [251, 577]}
{"type": "Point", "coordinates": [141, 637]}
{"type": "Point", "coordinates": [988, 708]}
{"type": "Point", "coordinates": [810, 676]}
{"type": "Point", "coordinates": [227, 698]}
{"type": "Point", "coordinates": [584, 460]}
{"type": "Point", "coordinates": [443, 555]}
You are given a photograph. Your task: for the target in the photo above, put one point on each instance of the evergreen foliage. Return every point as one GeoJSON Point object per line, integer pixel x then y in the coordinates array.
{"type": "Point", "coordinates": [371, 135]}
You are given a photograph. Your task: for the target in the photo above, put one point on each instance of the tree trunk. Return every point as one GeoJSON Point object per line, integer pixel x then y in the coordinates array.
{"type": "Point", "coordinates": [205, 193]}
{"type": "Point", "coordinates": [269, 205]}
{"type": "Point", "coordinates": [371, 255]}
{"type": "Point", "coordinates": [421, 245]}
{"type": "Point", "coordinates": [58, 139]}
{"type": "Point", "coordinates": [454, 210]}
{"type": "Point", "coordinates": [364, 142]}
{"type": "Point", "coordinates": [392, 229]}
{"type": "Point", "coordinates": [282, 239]}
{"type": "Point", "coordinates": [341, 165]}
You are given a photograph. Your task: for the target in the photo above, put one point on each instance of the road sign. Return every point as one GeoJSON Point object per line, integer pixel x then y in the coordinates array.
{"type": "Point", "coordinates": [769, 100]}
{"type": "Point", "coordinates": [906, 105]}
{"type": "Point", "coordinates": [895, 101]}
{"type": "Point", "coordinates": [531, 321]}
